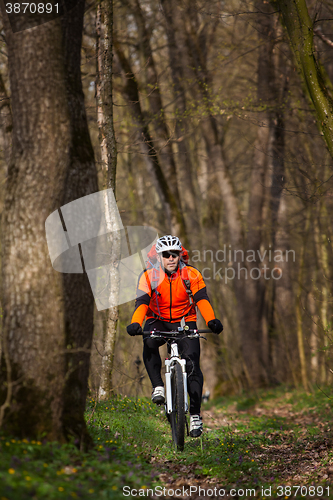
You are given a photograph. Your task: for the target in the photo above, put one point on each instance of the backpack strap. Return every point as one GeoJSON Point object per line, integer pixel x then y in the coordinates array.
{"type": "Point", "coordinates": [186, 281]}
{"type": "Point", "coordinates": [154, 283]}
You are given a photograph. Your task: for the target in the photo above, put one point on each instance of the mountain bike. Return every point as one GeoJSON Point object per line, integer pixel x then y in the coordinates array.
{"type": "Point", "coordinates": [176, 404]}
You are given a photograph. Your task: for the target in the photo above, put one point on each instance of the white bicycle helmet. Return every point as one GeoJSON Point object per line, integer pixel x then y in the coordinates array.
{"type": "Point", "coordinates": [167, 243]}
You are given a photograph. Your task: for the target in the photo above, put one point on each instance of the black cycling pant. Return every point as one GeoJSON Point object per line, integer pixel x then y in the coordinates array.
{"type": "Point", "coordinates": [189, 349]}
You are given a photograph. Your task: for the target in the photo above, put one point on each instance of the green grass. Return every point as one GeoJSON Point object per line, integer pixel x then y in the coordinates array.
{"type": "Point", "coordinates": [53, 471]}
{"type": "Point", "coordinates": [252, 445]}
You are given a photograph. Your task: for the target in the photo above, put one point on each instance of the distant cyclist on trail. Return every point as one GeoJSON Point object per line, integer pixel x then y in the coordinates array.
{"type": "Point", "coordinates": [167, 293]}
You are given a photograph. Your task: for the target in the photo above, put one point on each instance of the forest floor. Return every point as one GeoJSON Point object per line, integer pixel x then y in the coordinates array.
{"type": "Point", "coordinates": [275, 444]}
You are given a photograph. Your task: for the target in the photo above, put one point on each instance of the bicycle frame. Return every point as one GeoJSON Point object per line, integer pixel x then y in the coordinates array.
{"type": "Point", "coordinates": [176, 415]}
{"type": "Point", "coordinates": [175, 358]}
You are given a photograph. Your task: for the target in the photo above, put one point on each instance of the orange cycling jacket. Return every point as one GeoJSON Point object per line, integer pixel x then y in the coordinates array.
{"type": "Point", "coordinates": [166, 297]}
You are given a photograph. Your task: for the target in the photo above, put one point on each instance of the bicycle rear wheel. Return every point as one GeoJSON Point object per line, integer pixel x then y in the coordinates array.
{"type": "Point", "coordinates": [177, 417]}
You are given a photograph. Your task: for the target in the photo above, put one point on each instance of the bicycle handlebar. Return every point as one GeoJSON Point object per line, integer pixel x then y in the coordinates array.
{"type": "Point", "coordinates": [173, 334]}
{"type": "Point", "coordinates": [177, 332]}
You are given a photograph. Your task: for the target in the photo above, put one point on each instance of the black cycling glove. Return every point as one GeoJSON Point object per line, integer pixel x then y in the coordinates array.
{"type": "Point", "coordinates": [134, 329]}
{"type": "Point", "coordinates": [215, 325]}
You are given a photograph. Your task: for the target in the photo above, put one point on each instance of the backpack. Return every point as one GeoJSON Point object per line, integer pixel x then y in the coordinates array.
{"type": "Point", "coordinates": [152, 262]}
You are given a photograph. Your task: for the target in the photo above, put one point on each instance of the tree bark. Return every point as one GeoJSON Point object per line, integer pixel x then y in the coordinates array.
{"type": "Point", "coordinates": [322, 283]}
{"type": "Point", "coordinates": [6, 124]}
{"type": "Point", "coordinates": [314, 337]}
{"type": "Point", "coordinates": [283, 305]}
{"type": "Point", "coordinates": [32, 291]}
{"type": "Point", "coordinates": [299, 26]}
{"type": "Point", "coordinates": [169, 205]}
{"type": "Point", "coordinates": [156, 117]}
{"type": "Point", "coordinates": [188, 200]}
{"type": "Point", "coordinates": [107, 140]}
{"type": "Point", "coordinates": [300, 334]}
{"type": "Point", "coordinates": [48, 317]}
{"type": "Point", "coordinates": [81, 181]}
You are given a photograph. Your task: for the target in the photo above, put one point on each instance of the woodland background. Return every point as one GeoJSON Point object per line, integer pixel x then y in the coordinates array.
{"type": "Point", "coordinates": [220, 140]}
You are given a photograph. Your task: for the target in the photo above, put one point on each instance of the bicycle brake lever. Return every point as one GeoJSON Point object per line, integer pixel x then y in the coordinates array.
{"type": "Point", "coordinates": [196, 336]}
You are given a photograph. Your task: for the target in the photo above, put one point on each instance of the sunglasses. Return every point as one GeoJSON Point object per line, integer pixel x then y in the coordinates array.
{"type": "Point", "coordinates": [167, 255]}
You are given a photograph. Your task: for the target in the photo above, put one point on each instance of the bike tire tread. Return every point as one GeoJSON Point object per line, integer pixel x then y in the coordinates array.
{"type": "Point", "coordinates": [178, 414]}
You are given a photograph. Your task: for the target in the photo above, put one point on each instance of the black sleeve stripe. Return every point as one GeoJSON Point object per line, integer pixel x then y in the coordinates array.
{"type": "Point", "coordinates": [200, 295]}
{"type": "Point", "coordinates": [143, 299]}
{"type": "Point", "coordinates": [139, 278]}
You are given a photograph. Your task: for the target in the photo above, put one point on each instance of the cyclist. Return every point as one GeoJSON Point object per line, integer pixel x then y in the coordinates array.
{"type": "Point", "coordinates": [167, 293]}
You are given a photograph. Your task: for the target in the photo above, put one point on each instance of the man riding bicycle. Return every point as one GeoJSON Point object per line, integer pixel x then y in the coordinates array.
{"type": "Point", "coordinates": [167, 293]}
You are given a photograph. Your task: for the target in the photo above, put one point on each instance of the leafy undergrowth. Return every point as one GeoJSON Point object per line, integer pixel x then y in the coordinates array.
{"type": "Point", "coordinates": [121, 429]}
{"type": "Point", "coordinates": [263, 446]}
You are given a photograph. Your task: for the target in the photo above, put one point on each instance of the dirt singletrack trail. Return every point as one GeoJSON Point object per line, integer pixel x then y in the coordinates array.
{"type": "Point", "coordinates": [291, 460]}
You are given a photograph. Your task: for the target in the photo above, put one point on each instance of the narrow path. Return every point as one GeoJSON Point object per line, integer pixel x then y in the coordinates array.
{"type": "Point", "coordinates": [295, 462]}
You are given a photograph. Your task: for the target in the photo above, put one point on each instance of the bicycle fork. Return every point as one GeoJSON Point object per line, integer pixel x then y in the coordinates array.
{"type": "Point", "coordinates": [169, 363]}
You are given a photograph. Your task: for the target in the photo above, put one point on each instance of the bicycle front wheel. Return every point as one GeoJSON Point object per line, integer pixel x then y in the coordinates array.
{"type": "Point", "coordinates": [177, 417]}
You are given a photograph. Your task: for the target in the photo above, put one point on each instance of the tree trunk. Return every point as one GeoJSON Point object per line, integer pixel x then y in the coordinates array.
{"type": "Point", "coordinates": [32, 290]}
{"type": "Point", "coordinates": [299, 27]}
{"type": "Point", "coordinates": [266, 96]}
{"type": "Point", "coordinates": [269, 170]}
{"type": "Point", "coordinates": [48, 317]}
{"type": "Point", "coordinates": [6, 124]}
{"type": "Point", "coordinates": [323, 284]}
{"type": "Point", "coordinates": [300, 334]}
{"type": "Point", "coordinates": [172, 217]}
{"type": "Point", "coordinates": [157, 122]}
{"type": "Point", "coordinates": [314, 337]}
{"type": "Point", "coordinates": [188, 200]}
{"type": "Point", "coordinates": [253, 340]}
{"type": "Point", "coordinates": [284, 320]}
{"type": "Point", "coordinates": [81, 181]}
{"type": "Point", "coordinates": [107, 140]}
